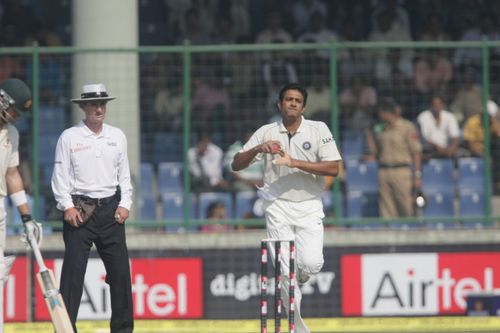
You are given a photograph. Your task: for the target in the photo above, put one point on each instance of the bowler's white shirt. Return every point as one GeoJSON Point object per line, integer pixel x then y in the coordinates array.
{"type": "Point", "coordinates": [441, 133]}
{"type": "Point", "coordinates": [91, 164]}
{"type": "Point", "coordinates": [312, 142]}
{"type": "Point", "coordinates": [9, 154]}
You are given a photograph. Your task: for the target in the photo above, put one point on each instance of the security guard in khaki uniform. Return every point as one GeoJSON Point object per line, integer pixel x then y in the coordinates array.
{"type": "Point", "coordinates": [396, 145]}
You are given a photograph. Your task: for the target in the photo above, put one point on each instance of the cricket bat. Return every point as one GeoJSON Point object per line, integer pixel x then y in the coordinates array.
{"type": "Point", "coordinates": [53, 297]}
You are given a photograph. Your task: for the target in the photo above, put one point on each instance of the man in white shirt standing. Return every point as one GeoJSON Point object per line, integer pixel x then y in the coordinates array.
{"type": "Point", "coordinates": [205, 166]}
{"type": "Point", "coordinates": [91, 184]}
{"type": "Point", "coordinates": [297, 154]}
{"type": "Point", "coordinates": [439, 129]}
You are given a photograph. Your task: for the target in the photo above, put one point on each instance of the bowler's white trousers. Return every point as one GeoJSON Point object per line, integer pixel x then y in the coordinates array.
{"type": "Point", "coordinates": [303, 222]}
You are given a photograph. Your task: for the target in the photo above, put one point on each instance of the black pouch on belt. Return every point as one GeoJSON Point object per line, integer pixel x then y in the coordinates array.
{"type": "Point", "coordinates": [85, 207]}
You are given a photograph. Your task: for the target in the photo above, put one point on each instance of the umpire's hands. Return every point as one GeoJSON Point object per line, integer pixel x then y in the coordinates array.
{"type": "Point", "coordinates": [32, 230]}
{"type": "Point", "coordinates": [72, 217]}
{"type": "Point", "coordinates": [121, 215]}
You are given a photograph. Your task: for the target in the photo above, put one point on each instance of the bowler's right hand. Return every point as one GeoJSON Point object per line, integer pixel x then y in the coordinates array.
{"type": "Point", "coordinates": [72, 217]}
{"type": "Point", "coordinates": [270, 147]}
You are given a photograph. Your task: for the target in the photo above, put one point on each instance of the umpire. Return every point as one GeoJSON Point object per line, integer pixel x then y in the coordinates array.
{"type": "Point", "coordinates": [91, 184]}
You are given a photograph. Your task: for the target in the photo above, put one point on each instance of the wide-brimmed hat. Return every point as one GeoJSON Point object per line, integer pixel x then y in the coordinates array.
{"type": "Point", "coordinates": [19, 92]}
{"type": "Point", "coordinates": [93, 92]}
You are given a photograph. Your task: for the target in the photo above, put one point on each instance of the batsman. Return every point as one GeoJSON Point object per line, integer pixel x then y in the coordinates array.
{"type": "Point", "coordinates": [15, 100]}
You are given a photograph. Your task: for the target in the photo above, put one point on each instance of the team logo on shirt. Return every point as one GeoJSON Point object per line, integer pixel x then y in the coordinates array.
{"type": "Point", "coordinates": [112, 144]}
{"type": "Point", "coordinates": [306, 145]}
{"type": "Point", "coordinates": [327, 140]}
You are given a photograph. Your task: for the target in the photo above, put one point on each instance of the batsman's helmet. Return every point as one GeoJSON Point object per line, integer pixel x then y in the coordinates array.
{"type": "Point", "coordinates": [19, 92]}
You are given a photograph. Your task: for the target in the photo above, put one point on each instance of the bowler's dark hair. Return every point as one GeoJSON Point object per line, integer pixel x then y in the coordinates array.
{"type": "Point", "coordinates": [293, 86]}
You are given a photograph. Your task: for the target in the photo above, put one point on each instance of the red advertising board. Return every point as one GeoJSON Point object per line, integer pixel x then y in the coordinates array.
{"type": "Point", "coordinates": [161, 288]}
{"type": "Point", "coordinates": [15, 292]}
{"type": "Point", "coordinates": [415, 283]}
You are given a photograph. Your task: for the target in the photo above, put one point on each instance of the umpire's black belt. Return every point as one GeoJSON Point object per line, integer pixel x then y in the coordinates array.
{"type": "Point", "coordinates": [394, 166]}
{"type": "Point", "coordinates": [97, 201]}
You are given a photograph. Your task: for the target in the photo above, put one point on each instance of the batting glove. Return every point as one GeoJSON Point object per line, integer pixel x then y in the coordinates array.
{"type": "Point", "coordinates": [32, 230]}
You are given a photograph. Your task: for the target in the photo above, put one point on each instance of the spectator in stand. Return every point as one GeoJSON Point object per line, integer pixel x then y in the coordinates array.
{"type": "Point", "coordinates": [211, 101]}
{"type": "Point", "coordinates": [397, 14]}
{"type": "Point", "coordinates": [433, 72]}
{"type": "Point", "coordinates": [319, 97]}
{"type": "Point", "coordinates": [216, 215]}
{"type": "Point", "coordinates": [386, 59]}
{"type": "Point", "coordinates": [276, 72]}
{"type": "Point", "coordinates": [239, 12]}
{"type": "Point", "coordinates": [247, 179]}
{"type": "Point", "coordinates": [223, 32]}
{"type": "Point", "coordinates": [469, 97]}
{"type": "Point", "coordinates": [474, 140]}
{"type": "Point", "coordinates": [394, 59]}
{"type": "Point", "coordinates": [357, 101]}
{"type": "Point", "coordinates": [303, 14]}
{"type": "Point", "coordinates": [318, 33]}
{"type": "Point", "coordinates": [245, 71]}
{"type": "Point", "coordinates": [205, 166]}
{"type": "Point", "coordinates": [19, 15]}
{"type": "Point", "coordinates": [168, 105]}
{"type": "Point", "coordinates": [194, 32]}
{"type": "Point", "coordinates": [488, 28]}
{"type": "Point", "coordinates": [439, 129]}
{"type": "Point", "coordinates": [274, 32]}
{"type": "Point", "coordinates": [433, 30]}
{"type": "Point", "coordinates": [462, 15]}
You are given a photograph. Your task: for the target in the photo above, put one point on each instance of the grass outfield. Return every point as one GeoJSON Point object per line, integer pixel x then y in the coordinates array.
{"type": "Point", "coordinates": [317, 325]}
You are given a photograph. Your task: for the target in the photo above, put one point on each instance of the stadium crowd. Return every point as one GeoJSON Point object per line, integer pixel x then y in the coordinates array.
{"type": "Point", "coordinates": [425, 82]}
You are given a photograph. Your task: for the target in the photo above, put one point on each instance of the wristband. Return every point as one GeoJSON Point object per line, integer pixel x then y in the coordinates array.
{"type": "Point", "coordinates": [418, 174]}
{"type": "Point", "coordinates": [26, 217]}
{"type": "Point", "coordinates": [19, 198]}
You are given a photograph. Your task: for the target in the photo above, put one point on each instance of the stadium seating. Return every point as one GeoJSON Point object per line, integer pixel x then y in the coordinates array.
{"type": "Point", "coordinates": [329, 201]}
{"type": "Point", "coordinates": [147, 206]}
{"type": "Point", "coordinates": [440, 203]}
{"type": "Point", "coordinates": [146, 185]}
{"type": "Point", "coordinates": [172, 207]}
{"type": "Point", "coordinates": [352, 145]}
{"type": "Point", "coordinates": [52, 120]}
{"type": "Point", "coordinates": [170, 177]}
{"type": "Point", "coordinates": [47, 146]}
{"type": "Point", "coordinates": [471, 204]}
{"type": "Point", "coordinates": [46, 173]}
{"type": "Point", "coordinates": [244, 204]}
{"type": "Point", "coordinates": [167, 147]}
{"type": "Point", "coordinates": [470, 173]}
{"type": "Point", "coordinates": [206, 198]}
{"type": "Point", "coordinates": [438, 174]}
{"type": "Point", "coordinates": [362, 204]}
{"type": "Point", "coordinates": [361, 175]}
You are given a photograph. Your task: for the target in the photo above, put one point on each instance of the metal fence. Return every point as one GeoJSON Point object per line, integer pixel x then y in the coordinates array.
{"type": "Point", "coordinates": [228, 91]}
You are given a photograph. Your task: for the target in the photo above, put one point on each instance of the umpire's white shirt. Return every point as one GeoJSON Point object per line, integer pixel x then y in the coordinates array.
{"type": "Point", "coordinates": [312, 142]}
{"type": "Point", "coordinates": [91, 164]}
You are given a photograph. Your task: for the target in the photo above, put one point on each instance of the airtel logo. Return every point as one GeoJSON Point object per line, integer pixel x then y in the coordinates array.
{"type": "Point", "coordinates": [411, 292]}
{"type": "Point", "coordinates": [160, 298]}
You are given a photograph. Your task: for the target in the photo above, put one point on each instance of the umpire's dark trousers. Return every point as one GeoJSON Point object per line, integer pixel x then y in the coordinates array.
{"type": "Point", "coordinates": [109, 239]}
